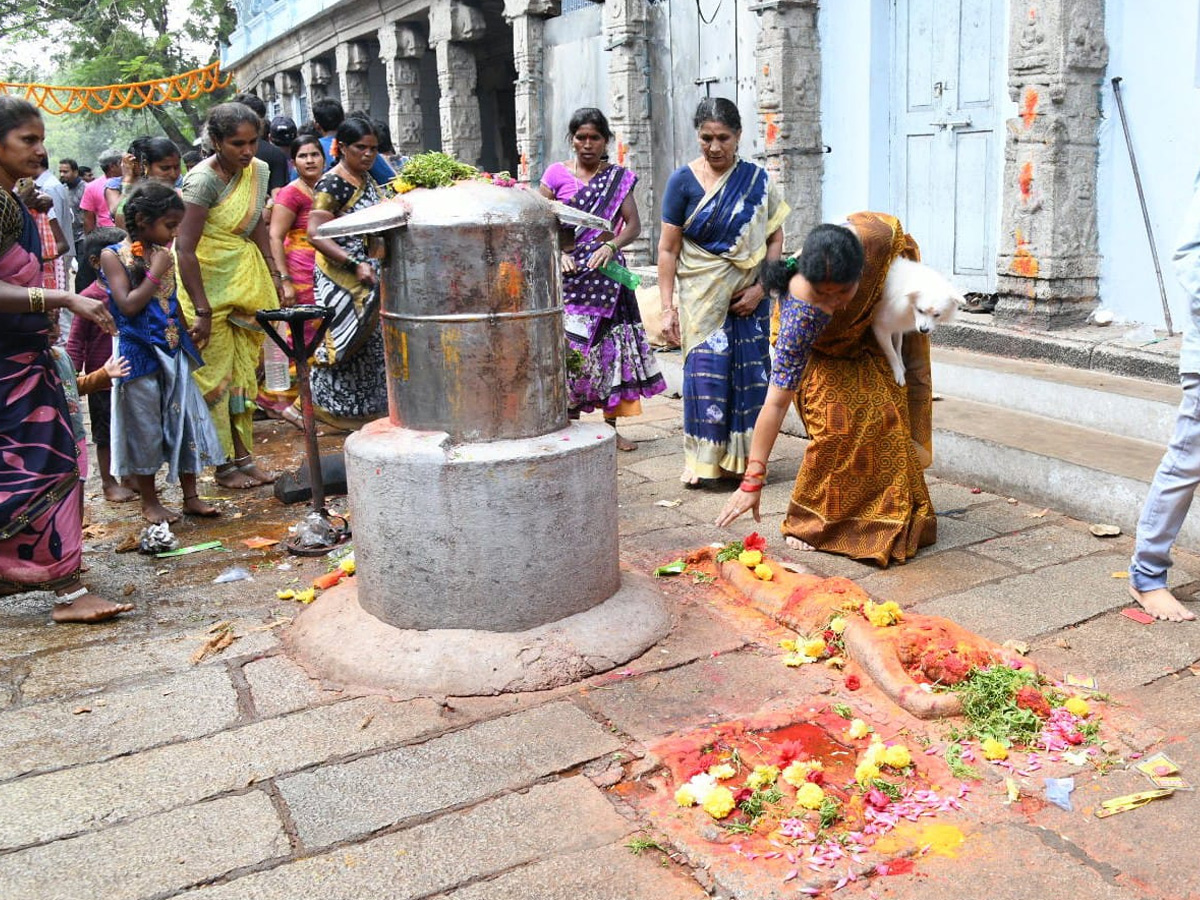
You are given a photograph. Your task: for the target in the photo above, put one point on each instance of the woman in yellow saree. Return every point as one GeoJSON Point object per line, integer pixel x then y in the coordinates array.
{"type": "Point", "coordinates": [226, 275]}
{"type": "Point", "coordinates": [861, 490]}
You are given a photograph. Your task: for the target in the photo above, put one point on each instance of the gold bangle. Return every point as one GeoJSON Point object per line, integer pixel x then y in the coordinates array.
{"type": "Point", "coordinates": [37, 299]}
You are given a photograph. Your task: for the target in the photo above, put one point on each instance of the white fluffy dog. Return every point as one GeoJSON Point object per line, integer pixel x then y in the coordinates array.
{"type": "Point", "coordinates": [915, 298]}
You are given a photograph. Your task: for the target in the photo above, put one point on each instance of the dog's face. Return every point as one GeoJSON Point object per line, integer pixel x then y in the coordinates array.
{"type": "Point", "coordinates": [931, 309]}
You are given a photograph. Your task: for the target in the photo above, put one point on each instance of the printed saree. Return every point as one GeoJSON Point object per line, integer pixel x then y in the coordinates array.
{"type": "Point", "coordinates": [861, 491]}
{"type": "Point", "coordinates": [726, 357]}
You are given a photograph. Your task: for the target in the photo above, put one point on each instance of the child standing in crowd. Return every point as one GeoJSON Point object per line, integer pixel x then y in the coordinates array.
{"type": "Point", "coordinates": [89, 346]}
{"type": "Point", "coordinates": [159, 414]}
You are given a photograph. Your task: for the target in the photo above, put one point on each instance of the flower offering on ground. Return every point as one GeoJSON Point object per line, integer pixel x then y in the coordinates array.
{"type": "Point", "coordinates": [881, 615]}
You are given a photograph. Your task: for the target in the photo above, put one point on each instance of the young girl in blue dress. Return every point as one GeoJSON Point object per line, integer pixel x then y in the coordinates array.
{"type": "Point", "coordinates": [159, 415]}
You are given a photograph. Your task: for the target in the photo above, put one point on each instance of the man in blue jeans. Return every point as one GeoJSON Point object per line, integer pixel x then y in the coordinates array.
{"type": "Point", "coordinates": [1179, 472]}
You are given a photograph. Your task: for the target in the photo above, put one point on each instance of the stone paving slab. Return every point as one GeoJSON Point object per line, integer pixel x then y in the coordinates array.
{"type": "Point", "coordinates": [1001, 862]}
{"type": "Point", "coordinates": [1122, 654]}
{"type": "Point", "coordinates": [84, 798]}
{"type": "Point", "coordinates": [1026, 606]}
{"type": "Point", "coordinates": [160, 853]}
{"type": "Point", "coordinates": [1003, 517]}
{"type": "Point", "coordinates": [611, 873]}
{"type": "Point", "coordinates": [712, 690]}
{"type": "Point", "coordinates": [54, 734]}
{"type": "Point", "coordinates": [954, 533]}
{"type": "Point", "coordinates": [938, 575]}
{"type": "Point", "coordinates": [278, 686]}
{"type": "Point", "coordinates": [70, 672]}
{"type": "Point", "coordinates": [452, 850]}
{"type": "Point", "coordinates": [947, 496]}
{"type": "Point", "coordinates": [339, 802]}
{"type": "Point", "coordinates": [1170, 703]}
{"type": "Point", "coordinates": [1044, 546]}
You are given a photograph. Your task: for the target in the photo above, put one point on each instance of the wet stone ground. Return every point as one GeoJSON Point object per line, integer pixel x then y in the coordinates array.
{"type": "Point", "coordinates": [130, 771]}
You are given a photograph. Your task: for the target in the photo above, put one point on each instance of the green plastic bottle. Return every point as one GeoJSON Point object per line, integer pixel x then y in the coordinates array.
{"type": "Point", "coordinates": [621, 275]}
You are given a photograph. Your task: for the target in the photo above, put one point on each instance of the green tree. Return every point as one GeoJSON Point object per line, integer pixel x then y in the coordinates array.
{"type": "Point", "coordinates": [103, 42]}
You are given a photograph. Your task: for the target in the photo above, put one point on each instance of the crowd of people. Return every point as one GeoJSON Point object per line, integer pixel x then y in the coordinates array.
{"type": "Point", "coordinates": [174, 253]}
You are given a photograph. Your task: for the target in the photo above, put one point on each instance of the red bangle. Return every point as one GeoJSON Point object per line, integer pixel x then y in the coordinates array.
{"type": "Point", "coordinates": [749, 487]}
{"type": "Point", "coordinates": [152, 279]}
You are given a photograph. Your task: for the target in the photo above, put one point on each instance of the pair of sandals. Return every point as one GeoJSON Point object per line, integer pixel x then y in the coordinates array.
{"type": "Point", "coordinates": [245, 466]}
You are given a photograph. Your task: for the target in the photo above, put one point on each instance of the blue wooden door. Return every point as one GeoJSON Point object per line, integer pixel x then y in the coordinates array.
{"type": "Point", "coordinates": [947, 153]}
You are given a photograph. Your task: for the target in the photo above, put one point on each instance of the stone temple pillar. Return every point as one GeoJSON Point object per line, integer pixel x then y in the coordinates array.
{"type": "Point", "coordinates": [626, 37]}
{"type": "Point", "coordinates": [788, 84]}
{"type": "Point", "coordinates": [451, 25]}
{"type": "Point", "coordinates": [528, 20]}
{"type": "Point", "coordinates": [287, 86]}
{"type": "Point", "coordinates": [317, 79]}
{"type": "Point", "coordinates": [400, 49]}
{"type": "Point", "coordinates": [352, 64]}
{"type": "Point", "coordinates": [1049, 260]}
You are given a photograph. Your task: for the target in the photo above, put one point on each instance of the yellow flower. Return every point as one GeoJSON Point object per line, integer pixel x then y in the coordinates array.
{"type": "Point", "coordinates": [306, 596]}
{"type": "Point", "coordinates": [897, 756]}
{"type": "Point", "coordinates": [993, 749]}
{"type": "Point", "coordinates": [719, 803]}
{"type": "Point", "coordinates": [750, 558]}
{"type": "Point", "coordinates": [835, 662]}
{"type": "Point", "coordinates": [722, 771]}
{"type": "Point", "coordinates": [288, 594]}
{"type": "Point", "coordinates": [761, 777]}
{"type": "Point", "coordinates": [796, 774]}
{"type": "Point", "coordinates": [837, 624]}
{"type": "Point", "coordinates": [400, 186]}
{"type": "Point", "coordinates": [865, 772]}
{"type": "Point", "coordinates": [789, 645]}
{"type": "Point", "coordinates": [810, 796]}
{"type": "Point", "coordinates": [1077, 706]}
{"type": "Point", "coordinates": [882, 615]}
{"type": "Point", "coordinates": [815, 648]}
{"type": "Point", "coordinates": [873, 755]}
{"type": "Point", "coordinates": [701, 786]}
{"type": "Point", "coordinates": [684, 796]}
{"type": "Point", "coordinates": [858, 729]}
{"type": "Point", "coordinates": [347, 565]}
{"type": "Point", "coordinates": [763, 572]}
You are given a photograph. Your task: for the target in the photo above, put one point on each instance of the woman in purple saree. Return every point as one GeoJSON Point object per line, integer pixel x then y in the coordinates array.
{"type": "Point", "coordinates": [41, 526]}
{"type": "Point", "coordinates": [602, 319]}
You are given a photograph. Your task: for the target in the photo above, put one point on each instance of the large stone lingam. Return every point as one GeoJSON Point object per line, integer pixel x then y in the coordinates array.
{"type": "Point", "coordinates": [485, 521]}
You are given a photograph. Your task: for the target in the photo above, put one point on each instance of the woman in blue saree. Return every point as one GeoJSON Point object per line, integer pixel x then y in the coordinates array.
{"type": "Point", "coordinates": [722, 217]}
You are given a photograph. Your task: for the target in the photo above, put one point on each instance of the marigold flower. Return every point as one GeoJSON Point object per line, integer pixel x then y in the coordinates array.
{"type": "Point", "coordinates": [897, 756]}
{"type": "Point", "coordinates": [755, 541]}
{"type": "Point", "coordinates": [761, 777]}
{"type": "Point", "coordinates": [763, 572]}
{"type": "Point", "coordinates": [814, 647]}
{"type": "Point", "coordinates": [993, 749]}
{"type": "Point", "coordinates": [858, 729]}
{"type": "Point", "coordinates": [798, 773]}
{"type": "Point", "coordinates": [348, 565]}
{"type": "Point", "coordinates": [882, 615]}
{"type": "Point", "coordinates": [1077, 706]}
{"type": "Point", "coordinates": [722, 771]}
{"type": "Point", "coordinates": [306, 596]}
{"type": "Point", "coordinates": [865, 772]}
{"type": "Point", "coordinates": [287, 594]}
{"type": "Point", "coordinates": [875, 752]}
{"type": "Point", "coordinates": [719, 803]}
{"type": "Point", "coordinates": [837, 624]}
{"type": "Point", "coordinates": [810, 796]}
{"type": "Point", "coordinates": [684, 796]}
{"type": "Point", "coordinates": [750, 558]}
{"type": "Point", "coordinates": [789, 645]}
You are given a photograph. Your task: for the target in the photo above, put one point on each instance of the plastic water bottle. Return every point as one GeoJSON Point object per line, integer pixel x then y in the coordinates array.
{"type": "Point", "coordinates": [621, 275]}
{"type": "Point", "coordinates": [277, 376]}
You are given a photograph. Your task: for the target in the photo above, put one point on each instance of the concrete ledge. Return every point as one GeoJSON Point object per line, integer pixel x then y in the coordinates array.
{"type": "Point", "coordinates": [344, 647]}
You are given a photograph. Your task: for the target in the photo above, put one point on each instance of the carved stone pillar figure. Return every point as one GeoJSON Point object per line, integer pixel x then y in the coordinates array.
{"type": "Point", "coordinates": [400, 49]}
{"type": "Point", "coordinates": [626, 37]}
{"type": "Point", "coordinates": [1049, 261]}
{"type": "Point", "coordinates": [317, 78]}
{"type": "Point", "coordinates": [352, 64]}
{"type": "Point", "coordinates": [287, 87]}
{"type": "Point", "coordinates": [266, 91]}
{"type": "Point", "coordinates": [788, 85]}
{"type": "Point", "coordinates": [452, 24]}
{"type": "Point", "coordinates": [528, 20]}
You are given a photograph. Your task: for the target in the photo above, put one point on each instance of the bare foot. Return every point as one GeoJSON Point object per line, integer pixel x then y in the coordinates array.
{"type": "Point", "coordinates": [154, 512]}
{"type": "Point", "coordinates": [118, 493]}
{"type": "Point", "coordinates": [235, 478]}
{"type": "Point", "coordinates": [689, 478]}
{"type": "Point", "coordinates": [796, 544]}
{"type": "Point", "coordinates": [1162, 604]}
{"type": "Point", "coordinates": [88, 608]}
{"type": "Point", "coordinates": [194, 506]}
{"type": "Point", "coordinates": [625, 445]}
{"type": "Point", "coordinates": [130, 484]}
{"type": "Point", "coordinates": [259, 476]}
